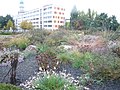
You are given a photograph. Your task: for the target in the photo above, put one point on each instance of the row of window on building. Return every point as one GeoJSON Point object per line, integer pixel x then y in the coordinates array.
{"type": "Point", "coordinates": [57, 8]}
{"type": "Point", "coordinates": [58, 17]}
{"type": "Point", "coordinates": [60, 13]}
{"type": "Point", "coordinates": [47, 8]}
{"type": "Point", "coordinates": [55, 21]}
{"type": "Point", "coordinates": [30, 12]}
{"type": "Point", "coordinates": [56, 26]}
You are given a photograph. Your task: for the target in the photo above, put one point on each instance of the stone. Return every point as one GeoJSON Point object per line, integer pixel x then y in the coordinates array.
{"type": "Point", "coordinates": [31, 48]}
{"type": "Point", "coordinates": [66, 47]}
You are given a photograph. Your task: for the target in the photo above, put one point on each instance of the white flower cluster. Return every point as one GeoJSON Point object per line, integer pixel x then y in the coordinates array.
{"type": "Point", "coordinates": [28, 84]}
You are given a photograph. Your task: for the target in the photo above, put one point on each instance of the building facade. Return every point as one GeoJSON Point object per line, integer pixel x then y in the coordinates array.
{"type": "Point", "coordinates": [47, 17]}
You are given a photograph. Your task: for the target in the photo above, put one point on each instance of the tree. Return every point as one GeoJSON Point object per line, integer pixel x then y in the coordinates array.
{"type": "Point", "coordinates": [25, 25]}
{"type": "Point", "coordinates": [73, 17]}
{"type": "Point", "coordinates": [9, 25]}
{"type": "Point", "coordinates": [114, 23]}
{"type": "Point", "coordinates": [7, 18]}
{"type": "Point", "coordinates": [29, 26]}
{"type": "Point", "coordinates": [67, 25]}
{"type": "Point", "coordinates": [106, 23]}
{"type": "Point", "coordinates": [4, 21]}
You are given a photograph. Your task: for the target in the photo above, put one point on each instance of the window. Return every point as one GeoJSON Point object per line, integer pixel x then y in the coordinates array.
{"type": "Point", "coordinates": [45, 25]}
{"type": "Point", "coordinates": [55, 25]}
{"type": "Point", "coordinates": [50, 21]}
{"type": "Point", "coordinates": [61, 8]}
{"type": "Point", "coordinates": [49, 7]}
{"type": "Point", "coordinates": [45, 21]}
{"type": "Point", "coordinates": [58, 8]}
{"type": "Point", "coordinates": [40, 26]}
{"type": "Point", "coordinates": [49, 25]}
{"type": "Point", "coordinates": [58, 21]}
{"type": "Point", "coordinates": [45, 9]}
{"type": "Point", "coordinates": [40, 22]}
{"type": "Point", "coordinates": [55, 12]}
{"type": "Point", "coordinates": [58, 17]}
{"type": "Point", "coordinates": [40, 18]}
{"type": "Point", "coordinates": [50, 12]}
{"type": "Point", "coordinates": [36, 22]}
{"type": "Point", "coordinates": [60, 13]}
{"type": "Point", "coordinates": [61, 21]}
{"type": "Point", "coordinates": [49, 16]}
{"type": "Point", "coordinates": [53, 16]}
{"type": "Point", "coordinates": [37, 18]}
{"type": "Point", "coordinates": [54, 21]}
{"type": "Point", "coordinates": [54, 7]}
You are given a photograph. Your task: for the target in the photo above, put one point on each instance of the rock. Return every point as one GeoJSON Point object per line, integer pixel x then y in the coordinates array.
{"type": "Point", "coordinates": [31, 48]}
{"type": "Point", "coordinates": [21, 58]}
{"type": "Point", "coordinates": [66, 47]}
{"type": "Point", "coordinates": [112, 44]}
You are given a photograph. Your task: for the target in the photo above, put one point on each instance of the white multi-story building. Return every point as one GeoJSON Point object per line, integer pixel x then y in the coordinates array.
{"type": "Point", "coordinates": [47, 17]}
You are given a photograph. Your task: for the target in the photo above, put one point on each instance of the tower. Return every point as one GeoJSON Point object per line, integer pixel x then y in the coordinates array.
{"type": "Point", "coordinates": [21, 7]}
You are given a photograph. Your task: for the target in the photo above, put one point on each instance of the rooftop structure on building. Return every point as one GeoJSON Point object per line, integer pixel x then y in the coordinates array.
{"type": "Point", "coordinates": [47, 17]}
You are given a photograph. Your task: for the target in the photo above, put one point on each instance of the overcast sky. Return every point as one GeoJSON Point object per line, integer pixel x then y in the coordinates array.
{"type": "Point", "coordinates": [112, 7]}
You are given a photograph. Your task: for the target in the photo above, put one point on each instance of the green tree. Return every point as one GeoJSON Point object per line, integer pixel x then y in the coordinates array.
{"type": "Point", "coordinates": [9, 25]}
{"type": "Point", "coordinates": [29, 26]}
{"type": "Point", "coordinates": [73, 17]}
{"type": "Point", "coordinates": [24, 25]}
{"type": "Point", "coordinates": [114, 23]}
{"type": "Point", "coordinates": [67, 25]}
{"type": "Point", "coordinates": [4, 20]}
{"type": "Point", "coordinates": [86, 19]}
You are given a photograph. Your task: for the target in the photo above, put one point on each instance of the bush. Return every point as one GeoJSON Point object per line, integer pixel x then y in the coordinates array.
{"type": "Point", "coordinates": [54, 82]}
{"type": "Point", "coordinates": [57, 38]}
{"type": "Point", "coordinates": [78, 60]}
{"type": "Point", "coordinates": [50, 83]}
{"type": "Point", "coordinates": [6, 33]}
{"type": "Point", "coordinates": [64, 57]}
{"type": "Point", "coordinates": [8, 87]}
{"type": "Point", "coordinates": [19, 42]}
{"type": "Point", "coordinates": [38, 36]}
{"type": "Point", "coordinates": [106, 67]}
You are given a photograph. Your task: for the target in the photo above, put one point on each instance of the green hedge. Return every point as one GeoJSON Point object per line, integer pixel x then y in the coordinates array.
{"type": "Point", "coordinates": [8, 87]}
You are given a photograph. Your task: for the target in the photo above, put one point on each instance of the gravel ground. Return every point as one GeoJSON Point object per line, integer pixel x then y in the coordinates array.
{"type": "Point", "coordinates": [28, 67]}
{"type": "Point", "coordinates": [25, 69]}
{"type": "Point", "coordinates": [109, 85]}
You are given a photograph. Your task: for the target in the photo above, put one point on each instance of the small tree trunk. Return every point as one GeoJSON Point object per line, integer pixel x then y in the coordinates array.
{"type": "Point", "coordinates": [14, 63]}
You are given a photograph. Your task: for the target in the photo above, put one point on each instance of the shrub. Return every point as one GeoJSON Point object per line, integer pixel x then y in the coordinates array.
{"type": "Point", "coordinates": [106, 67]}
{"type": "Point", "coordinates": [38, 36]}
{"type": "Point", "coordinates": [78, 60]}
{"type": "Point", "coordinates": [82, 60]}
{"type": "Point", "coordinates": [55, 81]}
{"type": "Point", "coordinates": [116, 49]}
{"type": "Point", "coordinates": [6, 33]}
{"type": "Point", "coordinates": [50, 83]}
{"type": "Point", "coordinates": [64, 57]}
{"type": "Point", "coordinates": [19, 42]}
{"type": "Point", "coordinates": [8, 87]}
{"type": "Point", "coordinates": [57, 38]}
